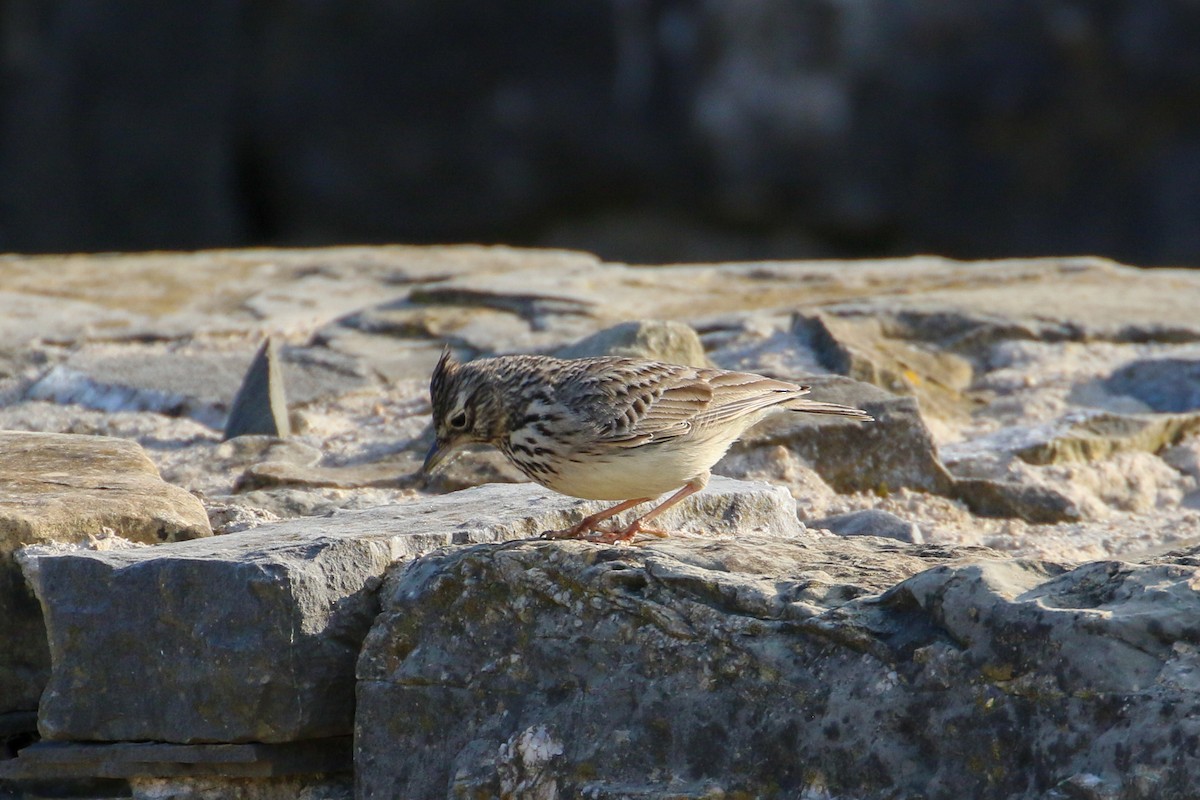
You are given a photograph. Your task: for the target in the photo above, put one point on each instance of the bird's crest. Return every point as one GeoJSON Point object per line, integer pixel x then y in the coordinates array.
{"type": "Point", "coordinates": [443, 374]}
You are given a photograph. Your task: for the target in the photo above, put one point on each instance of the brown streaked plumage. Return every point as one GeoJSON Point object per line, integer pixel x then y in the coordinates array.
{"type": "Point", "coordinates": [606, 428]}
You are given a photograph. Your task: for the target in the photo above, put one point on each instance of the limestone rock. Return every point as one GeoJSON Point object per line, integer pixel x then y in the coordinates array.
{"type": "Point", "coordinates": [1080, 436]}
{"type": "Point", "coordinates": [860, 347]}
{"type": "Point", "coordinates": [1008, 498]}
{"type": "Point", "coordinates": [64, 488]}
{"type": "Point", "coordinates": [199, 384]}
{"type": "Point", "coordinates": [895, 450]}
{"type": "Point", "coordinates": [252, 637]}
{"type": "Point", "coordinates": [761, 666]}
{"type": "Point", "coordinates": [994, 301]}
{"type": "Point", "coordinates": [260, 405]}
{"type": "Point", "coordinates": [155, 759]}
{"type": "Point", "coordinates": [998, 474]}
{"type": "Point", "coordinates": [1163, 384]}
{"type": "Point", "coordinates": [658, 340]}
{"type": "Point", "coordinates": [871, 522]}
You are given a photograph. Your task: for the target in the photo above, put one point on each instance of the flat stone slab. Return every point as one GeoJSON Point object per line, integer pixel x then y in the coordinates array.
{"type": "Point", "coordinates": [201, 384]}
{"type": "Point", "coordinates": [57, 760]}
{"type": "Point", "coordinates": [61, 488]}
{"type": "Point", "coordinates": [253, 636]}
{"type": "Point", "coordinates": [758, 666]}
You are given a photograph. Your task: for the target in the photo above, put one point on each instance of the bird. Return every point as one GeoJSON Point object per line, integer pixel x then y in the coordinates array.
{"type": "Point", "coordinates": [607, 427]}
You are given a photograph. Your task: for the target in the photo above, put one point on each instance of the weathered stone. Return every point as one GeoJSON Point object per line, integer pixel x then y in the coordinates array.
{"type": "Point", "coordinates": [64, 488]}
{"type": "Point", "coordinates": [896, 450]}
{"type": "Point", "coordinates": [673, 342]}
{"type": "Point", "coordinates": [860, 348]}
{"type": "Point", "coordinates": [1101, 435]}
{"type": "Point", "coordinates": [260, 405]}
{"type": "Point", "coordinates": [1163, 384]}
{"type": "Point", "coordinates": [990, 497]}
{"type": "Point", "coordinates": [253, 636]}
{"type": "Point", "coordinates": [156, 759]}
{"type": "Point", "coordinates": [273, 474]}
{"type": "Point", "coordinates": [996, 301]}
{"type": "Point", "coordinates": [871, 522]}
{"type": "Point", "coordinates": [308, 787]}
{"type": "Point", "coordinates": [579, 670]}
{"type": "Point", "coordinates": [200, 384]}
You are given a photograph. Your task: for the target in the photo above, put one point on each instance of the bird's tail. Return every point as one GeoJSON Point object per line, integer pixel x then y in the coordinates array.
{"type": "Point", "coordinates": [815, 407]}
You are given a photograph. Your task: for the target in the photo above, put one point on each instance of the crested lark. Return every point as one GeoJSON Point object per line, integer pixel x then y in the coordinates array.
{"type": "Point", "coordinates": [606, 428]}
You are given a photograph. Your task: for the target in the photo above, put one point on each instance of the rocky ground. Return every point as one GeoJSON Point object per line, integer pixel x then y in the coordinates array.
{"type": "Point", "coordinates": [1042, 414]}
{"type": "Point", "coordinates": [1069, 384]}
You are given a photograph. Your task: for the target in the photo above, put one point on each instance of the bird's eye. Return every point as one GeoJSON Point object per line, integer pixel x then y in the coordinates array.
{"type": "Point", "coordinates": [459, 421]}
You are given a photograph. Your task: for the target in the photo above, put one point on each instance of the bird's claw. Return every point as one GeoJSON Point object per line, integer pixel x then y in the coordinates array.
{"type": "Point", "coordinates": [600, 536]}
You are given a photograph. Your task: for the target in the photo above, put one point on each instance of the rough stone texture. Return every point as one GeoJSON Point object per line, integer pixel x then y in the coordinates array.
{"type": "Point", "coordinates": [61, 488]}
{"type": "Point", "coordinates": [336, 787]}
{"type": "Point", "coordinates": [1008, 300]}
{"type": "Point", "coordinates": [762, 665]}
{"type": "Point", "coordinates": [1004, 498]}
{"type": "Point", "coordinates": [860, 348]}
{"type": "Point", "coordinates": [896, 450]}
{"type": "Point", "coordinates": [370, 322]}
{"type": "Point", "coordinates": [991, 477]}
{"type": "Point", "coordinates": [253, 636]}
{"type": "Point", "coordinates": [201, 385]}
{"type": "Point", "coordinates": [871, 522]}
{"type": "Point", "coordinates": [260, 406]}
{"type": "Point", "coordinates": [155, 759]}
{"type": "Point", "coordinates": [1078, 438]}
{"type": "Point", "coordinates": [1163, 384]}
{"type": "Point", "coordinates": [673, 342]}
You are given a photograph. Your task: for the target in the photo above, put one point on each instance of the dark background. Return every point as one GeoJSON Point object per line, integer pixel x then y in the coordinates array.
{"type": "Point", "coordinates": [644, 130]}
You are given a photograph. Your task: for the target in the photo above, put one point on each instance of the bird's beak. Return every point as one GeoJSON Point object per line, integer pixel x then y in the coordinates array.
{"type": "Point", "coordinates": [437, 456]}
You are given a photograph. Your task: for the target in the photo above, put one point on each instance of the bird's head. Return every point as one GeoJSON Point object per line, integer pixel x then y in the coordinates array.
{"type": "Point", "coordinates": [463, 409]}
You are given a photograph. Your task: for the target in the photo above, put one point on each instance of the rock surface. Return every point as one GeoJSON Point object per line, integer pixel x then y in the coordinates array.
{"type": "Point", "coordinates": [871, 522]}
{"type": "Point", "coordinates": [896, 450]}
{"type": "Point", "coordinates": [762, 665]}
{"type": "Point", "coordinates": [1005, 420]}
{"type": "Point", "coordinates": [252, 637]}
{"type": "Point", "coordinates": [57, 488]}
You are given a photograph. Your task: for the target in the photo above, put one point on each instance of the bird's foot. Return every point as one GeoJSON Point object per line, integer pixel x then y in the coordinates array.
{"type": "Point", "coordinates": [589, 533]}
{"type": "Point", "coordinates": [580, 531]}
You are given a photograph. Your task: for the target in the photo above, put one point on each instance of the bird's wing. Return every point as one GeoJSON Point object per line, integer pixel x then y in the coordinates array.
{"type": "Point", "coordinates": [742, 394]}
{"type": "Point", "coordinates": [631, 403]}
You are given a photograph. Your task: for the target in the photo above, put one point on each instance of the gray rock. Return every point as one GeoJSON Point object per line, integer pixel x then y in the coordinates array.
{"type": "Point", "coordinates": [59, 488]}
{"type": "Point", "coordinates": [584, 671]}
{"type": "Point", "coordinates": [260, 405]}
{"type": "Point", "coordinates": [864, 348]}
{"type": "Point", "coordinates": [199, 384]}
{"type": "Point", "coordinates": [659, 340]}
{"type": "Point", "coordinates": [1164, 384]}
{"type": "Point", "coordinates": [871, 522]}
{"type": "Point", "coordinates": [1038, 504]}
{"type": "Point", "coordinates": [1084, 435]}
{"type": "Point", "coordinates": [252, 637]}
{"type": "Point", "coordinates": [969, 314]}
{"type": "Point", "coordinates": [985, 483]}
{"type": "Point", "coordinates": [46, 760]}
{"type": "Point", "coordinates": [894, 451]}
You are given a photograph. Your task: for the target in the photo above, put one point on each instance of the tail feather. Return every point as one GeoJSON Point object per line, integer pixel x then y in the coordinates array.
{"type": "Point", "coordinates": [815, 407]}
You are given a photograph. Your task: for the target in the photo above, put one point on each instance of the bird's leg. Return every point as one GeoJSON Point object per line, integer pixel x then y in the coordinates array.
{"type": "Point", "coordinates": [588, 524]}
{"type": "Point", "coordinates": [635, 527]}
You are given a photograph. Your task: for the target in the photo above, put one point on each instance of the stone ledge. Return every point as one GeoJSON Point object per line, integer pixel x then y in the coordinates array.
{"type": "Point", "coordinates": [160, 760]}
{"type": "Point", "coordinates": [253, 636]}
